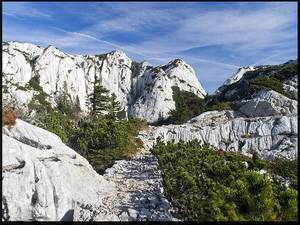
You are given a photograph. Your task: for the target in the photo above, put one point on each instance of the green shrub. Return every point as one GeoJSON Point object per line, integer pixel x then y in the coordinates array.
{"type": "Point", "coordinates": [220, 106]}
{"type": "Point", "coordinates": [267, 83]}
{"type": "Point", "coordinates": [105, 142]}
{"type": "Point", "coordinates": [34, 82]}
{"type": "Point", "coordinates": [59, 124]}
{"type": "Point", "coordinates": [204, 184]}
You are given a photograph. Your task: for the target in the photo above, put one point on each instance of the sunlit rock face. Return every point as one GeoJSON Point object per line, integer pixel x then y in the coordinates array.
{"type": "Point", "coordinates": [227, 130]}
{"type": "Point", "coordinates": [144, 91]}
{"type": "Point", "coordinates": [269, 103]}
{"type": "Point", "coordinates": [268, 123]}
{"type": "Point", "coordinates": [45, 180]}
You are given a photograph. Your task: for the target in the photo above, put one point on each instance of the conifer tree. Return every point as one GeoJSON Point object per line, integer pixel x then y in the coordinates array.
{"type": "Point", "coordinates": [115, 107]}
{"type": "Point", "coordinates": [99, 98]}
{"type": "Point", "coordinates": [181, 113]}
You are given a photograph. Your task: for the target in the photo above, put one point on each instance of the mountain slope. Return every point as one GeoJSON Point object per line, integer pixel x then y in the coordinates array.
{"type": "Point", "coordinates": [282, 78]}
{"type": "Point", "coordinates": [43, 179]}
{"type": "Point", "coordinates": [37, 75]}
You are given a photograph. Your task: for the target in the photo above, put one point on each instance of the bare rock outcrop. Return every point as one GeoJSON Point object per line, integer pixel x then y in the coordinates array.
{"type": "Point", "coordinates": [228, 130]}
{"type": "Point", "coordinates": [44, 180]}
{"type": "Point", "coordinates": [269, 103]}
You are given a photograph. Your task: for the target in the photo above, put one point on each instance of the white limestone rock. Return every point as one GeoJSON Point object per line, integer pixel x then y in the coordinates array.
{"type": "Point", "coordinates": [238, 75]}
{"type": "Point", "coordinates": [183, 76]}
{"type": "Point", "coordinates": [291, 86]}
{"type": "Point", "coordinates": [142, 90]}
{"type": "Point", "coordinates": [45, 180]}
{"type": "Point", "coordinates": [269, 103]}
{"type": "Point", "coordinates": [230, 131]}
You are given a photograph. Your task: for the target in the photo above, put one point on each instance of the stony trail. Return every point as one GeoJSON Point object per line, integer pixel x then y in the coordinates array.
{"type": "Point", "coordinates": [140, 195]}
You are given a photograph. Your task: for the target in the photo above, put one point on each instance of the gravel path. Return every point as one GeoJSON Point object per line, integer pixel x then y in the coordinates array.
{"type": "Point", "coordinates": [140, 195]}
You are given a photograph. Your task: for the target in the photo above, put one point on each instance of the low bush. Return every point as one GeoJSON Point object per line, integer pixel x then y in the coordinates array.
{"type": "Point", "coordinates": [8, 117]}
{"type": "Point", "coordinates": [204, 184]}
{"type": "Point", "coordinates": [105, 142]}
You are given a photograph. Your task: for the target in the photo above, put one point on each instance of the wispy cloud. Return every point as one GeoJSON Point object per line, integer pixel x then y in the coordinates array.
{"type": "Point", "coordinates": [258, 29]}
{"type": "Point", "coordinates": [246, 32]}
{"type": "Point", "coordinates": [267, 60]}
{"type": "Point", "coordinates": [23, 9]}
{"type": "Point", "coordinates": [118, 47]}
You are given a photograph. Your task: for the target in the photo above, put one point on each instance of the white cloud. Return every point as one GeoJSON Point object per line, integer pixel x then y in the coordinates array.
{"type": "Point", "coordinates": [23, 9]}
{"type": "Point", "coordinates": [263, 27]}
{"type": "Point", "coordinates": [107, 43]}
{"type": "Point", "coordinates": [132, 18]}
{"type": "Point", "coordinates": [166, 29]}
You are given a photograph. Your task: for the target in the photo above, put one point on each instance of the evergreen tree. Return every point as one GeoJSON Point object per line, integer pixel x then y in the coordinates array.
{"type": "Point", "coordinates": [187, 104]}
{"type": "Point", "coordinates": [64, 103]}
{"type": "Point", "coordinates": [182, 112]}
{"type": "Point", "coordinates": [115, 109]}
{"type": "Point", "coordinates": [99, 99]}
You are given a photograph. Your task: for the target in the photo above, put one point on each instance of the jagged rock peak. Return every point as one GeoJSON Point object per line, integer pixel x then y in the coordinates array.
{"type": "Point", "coordinates": [132, 82]}
{"type": "Point", "coordinates": [14, 47]}
{"type": "Point", "coordinates": [238, 75]}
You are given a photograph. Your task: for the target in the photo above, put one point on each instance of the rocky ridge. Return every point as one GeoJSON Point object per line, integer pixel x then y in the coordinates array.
{"type": "Point", "coordinates": [245, 74]}
{"type": "Point", "coordinates": [271, 129]}
{"type": "Point", "coordinates": [234, 78]}
{"type": "Point", "coordinates": [144, 91]}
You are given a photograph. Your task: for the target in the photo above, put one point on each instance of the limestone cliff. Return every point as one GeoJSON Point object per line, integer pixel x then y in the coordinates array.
{"type": "Point", "coordinates": [144, 91]}
{"type": "Point", "coordinates": [45, 180]}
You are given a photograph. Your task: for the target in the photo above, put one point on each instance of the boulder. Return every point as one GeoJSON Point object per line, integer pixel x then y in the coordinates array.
{"type": "Point", "coordinates": [269, 103]}
{"type": "Point", "coordinates": [45, 180]}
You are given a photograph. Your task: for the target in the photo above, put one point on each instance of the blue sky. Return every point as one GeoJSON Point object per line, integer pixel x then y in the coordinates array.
{"type": "Point", "coordinates": [215, 38]}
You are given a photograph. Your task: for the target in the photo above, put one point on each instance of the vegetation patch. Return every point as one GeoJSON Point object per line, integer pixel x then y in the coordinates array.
{"type": "Point", "coordinates": [100, 138]}
{"type": "Point", "coordinates": [204, 184]}
{"type": "Point", "coordinates": [34, 82]}
{"type": "Point", "coordinates": [8, 117]}
{"type": "Point", "coordinates": [188, 105]}
{"type": "Point", "coordinates": [101, 56]}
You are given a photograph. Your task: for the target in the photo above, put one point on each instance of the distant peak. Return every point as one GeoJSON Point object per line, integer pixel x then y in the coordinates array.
{"type": "Point", "coordinates": [117, 53]}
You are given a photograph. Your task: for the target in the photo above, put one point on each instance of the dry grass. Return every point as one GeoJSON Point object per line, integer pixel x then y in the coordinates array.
{"type": "Point", "coordinates": [8, 117]}
{"type": "Point", "coordinates": [248, 135]}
